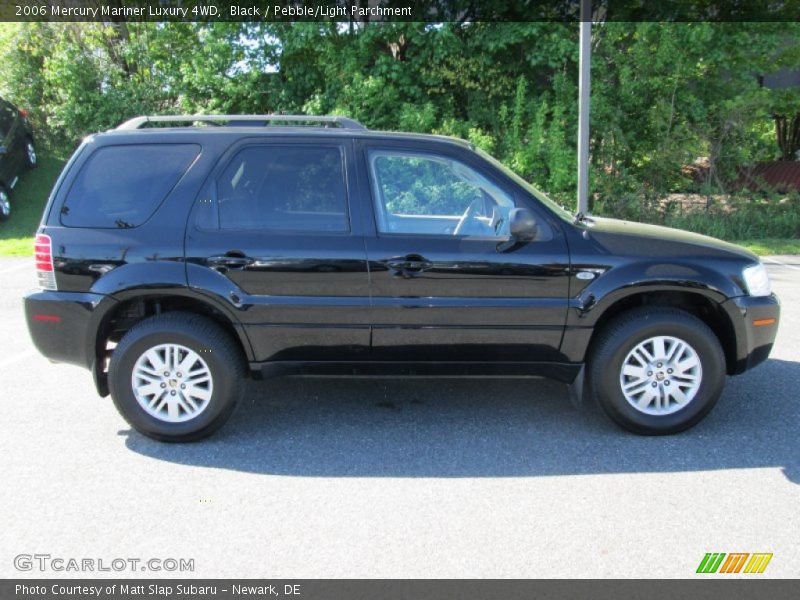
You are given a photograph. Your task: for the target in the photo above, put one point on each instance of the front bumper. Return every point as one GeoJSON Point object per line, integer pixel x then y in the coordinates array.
{"type": "Point", "coordinates": [755, 323]}
{"type": "Point", "coordinates": [63, 325]}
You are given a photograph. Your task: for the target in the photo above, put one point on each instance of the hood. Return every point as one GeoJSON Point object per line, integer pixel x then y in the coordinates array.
{"type": "Point", "coordinates": [655, 240]}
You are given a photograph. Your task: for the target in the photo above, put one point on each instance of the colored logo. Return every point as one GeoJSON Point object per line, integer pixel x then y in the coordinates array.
{"type": "Point", "coordinates": [735, 562]}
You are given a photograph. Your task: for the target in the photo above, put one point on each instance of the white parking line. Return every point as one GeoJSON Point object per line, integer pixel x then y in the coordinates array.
{"type": "Point", "coordinates": [783, 264]}
{"type": "Point", "coordinates": [11, 360]}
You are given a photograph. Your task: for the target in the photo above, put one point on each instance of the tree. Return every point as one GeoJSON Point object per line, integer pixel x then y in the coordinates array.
{"type": "Point", "coordinates": [662, 94]}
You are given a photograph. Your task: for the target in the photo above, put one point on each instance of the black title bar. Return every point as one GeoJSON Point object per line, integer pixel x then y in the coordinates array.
{"type": "Point", "coordinates": [365, 11]}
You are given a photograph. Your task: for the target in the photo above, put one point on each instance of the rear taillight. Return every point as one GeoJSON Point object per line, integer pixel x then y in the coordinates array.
{"type": "Point", "coordinates": [43, 257]}
{"type": "Point", "coordinates": [23, 113]}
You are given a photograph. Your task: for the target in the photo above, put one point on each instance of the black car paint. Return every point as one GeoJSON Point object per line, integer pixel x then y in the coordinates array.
{"type": "Point", "coordinates": [488, 303]}
{"type": "Point", "coordinates": [15, 131]}
{"type": "Point", "coordinates": [295, 282]}
{"type": "Point", "coordinates": [323, 302]}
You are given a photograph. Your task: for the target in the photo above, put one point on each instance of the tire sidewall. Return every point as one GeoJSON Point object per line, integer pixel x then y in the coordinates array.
{"type": "Point", "coordinates": [609, 390]}
{"type": "Point", "coordinates": [121, 370]}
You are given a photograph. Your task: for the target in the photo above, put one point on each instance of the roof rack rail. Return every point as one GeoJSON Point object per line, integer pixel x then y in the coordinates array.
{"type": "Point", "coordinates": [241, 120]}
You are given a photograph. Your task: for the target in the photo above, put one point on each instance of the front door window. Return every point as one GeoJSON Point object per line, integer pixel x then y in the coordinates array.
{"type": "Point", "coordinates": [420, 193]}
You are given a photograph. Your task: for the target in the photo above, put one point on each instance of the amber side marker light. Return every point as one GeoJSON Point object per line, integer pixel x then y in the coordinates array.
{"type": "Point", "coordinates": [762, 322]}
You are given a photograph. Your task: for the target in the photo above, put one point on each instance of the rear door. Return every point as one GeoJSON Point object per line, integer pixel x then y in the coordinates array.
{"type": "Point", "coordinates": [446, 284]}
{"type": "Point", "coordinates": [273, 236]}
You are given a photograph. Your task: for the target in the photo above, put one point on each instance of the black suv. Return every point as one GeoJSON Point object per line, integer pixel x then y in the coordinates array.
{"type": "Point", "coordinates": [177, 255]}
{"type": "Point", "coordinates": [17, 151]}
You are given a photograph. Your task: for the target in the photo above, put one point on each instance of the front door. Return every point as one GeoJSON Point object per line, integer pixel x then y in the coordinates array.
{"type": "Point", "coordinates": [273, 234]}
{"type": "Point", "coordinates": [447, 282]}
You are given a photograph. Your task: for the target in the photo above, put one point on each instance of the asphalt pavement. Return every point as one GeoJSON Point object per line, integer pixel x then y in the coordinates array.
{"type": "Point", "coordinates": [318, 478]}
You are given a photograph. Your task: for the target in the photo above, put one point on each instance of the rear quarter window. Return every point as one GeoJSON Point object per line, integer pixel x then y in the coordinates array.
{"type": "Point", "coordinates": [122, 186]}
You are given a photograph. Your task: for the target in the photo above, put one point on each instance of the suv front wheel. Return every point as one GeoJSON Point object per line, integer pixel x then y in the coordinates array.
{"type": "Point", "coordinates": [657, 371]}
{"type": "Point", "coordinates": [176, 377]}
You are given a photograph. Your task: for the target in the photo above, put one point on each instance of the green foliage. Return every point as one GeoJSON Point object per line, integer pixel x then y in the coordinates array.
{"type": "Point", "coordinates": [741, 219]}
{"type": "Point", "coordinates": [771, 246]}
{"type": "Point", "coordinates": [27, 203]}
{"type": "Point", "coordinates": [663, 94]}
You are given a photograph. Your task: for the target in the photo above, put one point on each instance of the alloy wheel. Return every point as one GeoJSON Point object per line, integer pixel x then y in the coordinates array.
{"type": "Point", "coordinates": [172, 383]}
{"type": "Point", "coordinates": [661, 375]}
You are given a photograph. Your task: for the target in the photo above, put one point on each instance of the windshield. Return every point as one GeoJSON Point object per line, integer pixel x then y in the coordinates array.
{"type": "Point", "coordinates": [538, 194]}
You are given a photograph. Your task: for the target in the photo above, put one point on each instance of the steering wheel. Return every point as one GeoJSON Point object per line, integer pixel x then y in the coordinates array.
{"type": "Point", "coordinates": [472, 209]}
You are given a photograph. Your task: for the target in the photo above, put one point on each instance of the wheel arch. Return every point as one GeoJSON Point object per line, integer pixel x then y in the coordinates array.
{"type": "Point", "coordinates": [698, 304]}
{"type": "Point", "coordinates": [133, 308]}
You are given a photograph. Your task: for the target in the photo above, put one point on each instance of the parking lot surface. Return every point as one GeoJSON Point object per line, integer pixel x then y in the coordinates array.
{"type": "Point", "coordinates": [427, 478]}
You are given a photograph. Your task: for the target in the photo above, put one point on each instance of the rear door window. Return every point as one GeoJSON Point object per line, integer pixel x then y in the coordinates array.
{"type": "Point", "coordinates": [284, 188]}
{"type": "Point", "coordinates": [122, 186]}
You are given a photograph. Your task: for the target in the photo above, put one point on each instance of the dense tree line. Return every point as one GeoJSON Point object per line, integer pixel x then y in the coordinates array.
{"type": "Point", "coordinates": [662, 94]}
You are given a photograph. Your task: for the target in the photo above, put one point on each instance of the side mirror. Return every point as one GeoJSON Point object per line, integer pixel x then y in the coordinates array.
{"type": "Point", "coordinates": [522, 225]}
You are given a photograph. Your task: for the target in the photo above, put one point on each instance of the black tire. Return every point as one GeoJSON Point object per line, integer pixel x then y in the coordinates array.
{"type": "Point", "coordinates": [620, 336]}
{"type": "Point", "coordinates": [31, 158]}
{"type": "Point", "coordinates": [5, 204]}
{"type": "Point", "coordinates": [212, 343]}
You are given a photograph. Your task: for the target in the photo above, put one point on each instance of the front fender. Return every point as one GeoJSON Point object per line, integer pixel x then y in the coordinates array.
{"type": "Point", "coordinates": [618, 283]}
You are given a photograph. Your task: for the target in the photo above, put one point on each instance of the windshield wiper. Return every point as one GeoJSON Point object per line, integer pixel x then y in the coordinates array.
{"type": "Point", "coordinates": [582, 218]}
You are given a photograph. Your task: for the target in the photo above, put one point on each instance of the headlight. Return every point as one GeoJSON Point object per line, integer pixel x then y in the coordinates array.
{"type": "Point", "coordinates": [757, 280]}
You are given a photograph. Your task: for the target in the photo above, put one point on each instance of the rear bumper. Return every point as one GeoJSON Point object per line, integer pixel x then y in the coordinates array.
{"type": "Point", "coordinates": [63, 325]}
{"type": "Point", "coordinates": [755, 321]}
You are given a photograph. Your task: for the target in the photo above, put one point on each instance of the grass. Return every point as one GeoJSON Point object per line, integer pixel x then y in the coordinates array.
{"type": "Point", "coordinates": [27, 203]}
{"type": "Point", "coordinates": [771, 246]}
{"type": "Point", "coordinates": [30, 195]}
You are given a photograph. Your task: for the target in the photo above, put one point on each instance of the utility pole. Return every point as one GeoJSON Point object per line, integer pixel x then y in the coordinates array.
{"type": "Point", "coordinates": [584, 83]}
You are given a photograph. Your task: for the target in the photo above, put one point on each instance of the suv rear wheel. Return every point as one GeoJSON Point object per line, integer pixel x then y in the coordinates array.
{"type": "Point", "coordinates": [176, 377]}
{"type": "Point", "coordinates": [657, 371]}
{"type": "Point", "coordinates": [31, 160]}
